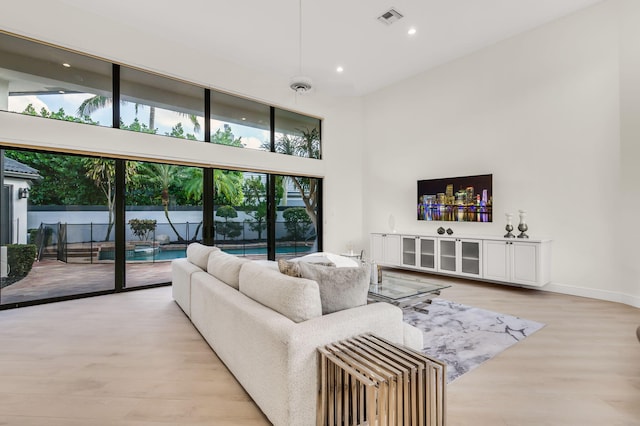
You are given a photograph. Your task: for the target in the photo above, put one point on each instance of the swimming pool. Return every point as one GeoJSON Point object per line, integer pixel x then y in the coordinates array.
{"type": "Point", "coordinates": [159, 255]}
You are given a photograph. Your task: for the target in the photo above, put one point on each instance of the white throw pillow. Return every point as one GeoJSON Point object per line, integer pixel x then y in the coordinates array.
{"type": "Point", "coordinates": [198, 254]}
{"type": "Point", "coordinates": [324, 257]}
{"type": "Point", "coordinates": [340, 288]}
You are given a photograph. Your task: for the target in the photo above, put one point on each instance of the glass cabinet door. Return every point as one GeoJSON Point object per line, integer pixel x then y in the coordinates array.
{"type": "Point", "coordinates": [470, 251]}
{"type": "Point", "coordinates": [409, 251]}
{"type": "Point", "coordinates": [427, 253]}
{"type": "Point", "coordinates": [447, 255]}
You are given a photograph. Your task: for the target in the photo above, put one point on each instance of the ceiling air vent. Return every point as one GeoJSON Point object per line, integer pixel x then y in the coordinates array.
{"type": "Point", "coordinates": [390, 16]}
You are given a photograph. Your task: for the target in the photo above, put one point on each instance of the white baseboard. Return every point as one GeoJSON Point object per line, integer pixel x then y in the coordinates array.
{"type": "Point", "coordinates": [610, 296]}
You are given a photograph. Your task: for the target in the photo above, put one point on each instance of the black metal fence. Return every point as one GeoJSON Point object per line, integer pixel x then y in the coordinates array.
{"type": "Point", "coordinates": [94, 242]}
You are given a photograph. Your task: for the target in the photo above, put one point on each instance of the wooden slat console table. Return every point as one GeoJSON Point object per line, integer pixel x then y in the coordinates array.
{"type": "Point", "coordinates": [367, 380]}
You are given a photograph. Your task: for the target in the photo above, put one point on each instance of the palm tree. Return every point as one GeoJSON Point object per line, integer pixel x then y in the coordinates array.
{"type": "Point", "coordinates": [305, 144]}
{"type": "Point", "coordinates": [226, 184]}
{"type": "Point", "coordinates": [165, 175]}
{"type": "Point", "coordinates": [103, 173]}
{"type": "Point", "coordinates": [95, 103]}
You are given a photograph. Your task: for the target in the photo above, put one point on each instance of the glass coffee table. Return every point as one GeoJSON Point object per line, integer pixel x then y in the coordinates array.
{"type": "Point", "coordinates": [405, 290]}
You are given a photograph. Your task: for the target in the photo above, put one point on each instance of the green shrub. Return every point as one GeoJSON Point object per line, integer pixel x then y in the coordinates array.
{"type": "Point", "coordinates": [33, 234]}
{"type": "Point", "coordinates": [20, 258]}
{"type": "Point", "coordinates": [297, 222]}
{"type": "Point", "coordinates": [142, 228]}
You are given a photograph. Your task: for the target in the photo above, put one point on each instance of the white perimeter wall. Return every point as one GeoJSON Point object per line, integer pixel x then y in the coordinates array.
{"type": "Point", "coordinates": [542, 113]}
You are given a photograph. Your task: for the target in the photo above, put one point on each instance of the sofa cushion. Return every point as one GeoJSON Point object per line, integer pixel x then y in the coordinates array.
{"type": "Point", "coordinates": [271, 264]}
{"type": "Point", "coordinates": [198, 254]}
{"type": "Point", "coordinates": [296, 298]}
{"type": "Point", "coordinates": [340, 288]}
{"type": "Point", "coordinates": [226, 267]}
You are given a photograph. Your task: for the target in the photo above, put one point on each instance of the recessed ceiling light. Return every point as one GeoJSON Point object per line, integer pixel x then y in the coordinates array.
{"type": "Point", "coordinates": [66, 65]}
{"type": "Point", "coordinates": [61, 92]}
{"type": "Point", "coordinates": [244, 118]}
{"type": "Point", "coordinates": [339, 69]}
{"type": "Point", "coordinates": [411, 31]}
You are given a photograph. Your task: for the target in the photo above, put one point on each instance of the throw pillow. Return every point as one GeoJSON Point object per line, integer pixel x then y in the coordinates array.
{"type": "Point", "coordinates": [289, 268]}
{"type": "Point", "coordinates": [324, 258]}
{"type": "Point", "coordinates": [340, 288]}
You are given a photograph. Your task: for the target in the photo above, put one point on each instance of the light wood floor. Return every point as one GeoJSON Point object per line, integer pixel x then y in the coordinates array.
{"type": "Point", "coordinates": [135, 359]}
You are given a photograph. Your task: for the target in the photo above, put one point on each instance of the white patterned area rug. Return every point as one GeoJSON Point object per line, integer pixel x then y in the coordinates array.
{"type": "Point", "coordinates": [464, 337]}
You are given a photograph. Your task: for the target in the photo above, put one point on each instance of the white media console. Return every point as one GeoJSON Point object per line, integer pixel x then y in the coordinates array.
{"type": "Point", "coordinates": [518, 261]}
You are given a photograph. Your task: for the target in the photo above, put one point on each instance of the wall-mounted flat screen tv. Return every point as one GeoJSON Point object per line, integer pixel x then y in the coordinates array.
{"type": "Point", "coordinates": [458, 199]}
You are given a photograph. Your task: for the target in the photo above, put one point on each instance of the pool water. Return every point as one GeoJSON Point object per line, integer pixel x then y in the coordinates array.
{"type": "Point", "coordinates": [160, 255]}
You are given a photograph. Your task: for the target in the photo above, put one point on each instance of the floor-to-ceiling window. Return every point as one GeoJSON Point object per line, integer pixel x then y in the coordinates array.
{"type": "Point", "coordinates": [117, 223]}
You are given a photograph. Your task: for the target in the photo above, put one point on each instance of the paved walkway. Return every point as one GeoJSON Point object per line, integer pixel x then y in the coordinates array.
{"type": "Point", "coordinates": [52, 278]}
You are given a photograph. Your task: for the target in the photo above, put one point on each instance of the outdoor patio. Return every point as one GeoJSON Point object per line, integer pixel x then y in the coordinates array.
{"type": "Point", "coordinates": [51, 278]}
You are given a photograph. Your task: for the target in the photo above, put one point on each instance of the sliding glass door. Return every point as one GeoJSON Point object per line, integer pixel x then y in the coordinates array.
{"type": "Point", "coordinates": [240, 213]}
{"type": "Point", "coordinates": [58, 219]}
{"type": "Point", "coordinates": [163, 215]}
{"type": "Point", "coordinates": [76, 225]}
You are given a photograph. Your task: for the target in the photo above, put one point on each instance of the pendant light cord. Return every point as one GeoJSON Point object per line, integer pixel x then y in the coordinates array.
{"type": "Point", "coordinates": [300, 35]}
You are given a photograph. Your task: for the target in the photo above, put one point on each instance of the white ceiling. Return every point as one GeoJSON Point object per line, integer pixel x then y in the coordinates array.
{"type": "Point", "coordinates": [263, 35]}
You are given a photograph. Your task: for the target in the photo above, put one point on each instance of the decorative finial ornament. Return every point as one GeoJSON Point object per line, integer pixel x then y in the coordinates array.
{"type": "Point", "coordinates": [522, 226]}
{"type": "Point", "coordinates": [509, 226]}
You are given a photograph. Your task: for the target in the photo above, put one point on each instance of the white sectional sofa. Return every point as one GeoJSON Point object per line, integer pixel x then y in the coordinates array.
{"type": "Point", "coordinates": [266, 326]}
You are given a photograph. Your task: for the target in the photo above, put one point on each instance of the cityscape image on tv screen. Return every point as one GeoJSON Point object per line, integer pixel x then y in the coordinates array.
{"type": "Point", "coordinates": [458, 199]}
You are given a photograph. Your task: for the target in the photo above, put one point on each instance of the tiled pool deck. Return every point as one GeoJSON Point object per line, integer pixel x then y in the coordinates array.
{"type": "Point", "coordinates": [51, 278]}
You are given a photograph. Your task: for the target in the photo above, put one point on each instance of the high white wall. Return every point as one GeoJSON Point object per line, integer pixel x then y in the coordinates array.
{"type": "Point", "coordinates": [341, 166]}
{"type": "Point", "coordinates": [541, 112]}
{"type": "Point", "coordinates": [630, 144]}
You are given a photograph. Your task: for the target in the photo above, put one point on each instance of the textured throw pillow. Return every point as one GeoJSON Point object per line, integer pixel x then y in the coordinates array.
{"type": "Point", "coordinates": [340, 288]}
{"type": "Point", "coordinates": [289, 268]}
{"type": "Point", "coordinates": [327, 258]}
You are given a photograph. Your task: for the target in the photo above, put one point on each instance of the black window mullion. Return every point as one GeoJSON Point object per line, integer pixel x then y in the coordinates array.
{"type": "Point", "coordinates": [271, 217]}
{"type": "Point", "coordinates": [115, 105]}
{"type": "Point", "coordinates": [207, 115]}
{"type": "Point", "coordinates": [272, 127]}
{"type": "Point", "coordinates": [271, 192]}
{"type": "Point", "coordinates": [207, 176]}
{"type": "Point", "coordinates": [207, 207]}
{"type": "Point", "coordinates": [120, 188]}
{"type": "Point", "coordinates": [319, 214]}
{"type": "Point", "coordinates": [120, 217]}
